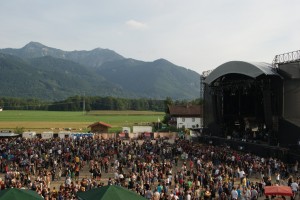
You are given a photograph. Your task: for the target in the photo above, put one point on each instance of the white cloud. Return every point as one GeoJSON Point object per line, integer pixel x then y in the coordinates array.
{"type": "Point", "coordinates": [136, 24]}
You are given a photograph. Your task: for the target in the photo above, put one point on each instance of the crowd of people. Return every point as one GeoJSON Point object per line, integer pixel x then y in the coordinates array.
{"type": "Point", "coordinates": [156, 169]}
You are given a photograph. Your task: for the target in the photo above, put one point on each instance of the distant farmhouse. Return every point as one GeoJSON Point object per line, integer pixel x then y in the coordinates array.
{"type": "Point", "coordinates": [1, 109]}
{"type": "Point", "coordinates": [99, 127]}
{"type": "Point", "coordinates": [189, 116]}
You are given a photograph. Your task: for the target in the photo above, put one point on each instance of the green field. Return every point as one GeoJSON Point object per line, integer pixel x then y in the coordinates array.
{"type": "Point", "coordinates": [52, 120]}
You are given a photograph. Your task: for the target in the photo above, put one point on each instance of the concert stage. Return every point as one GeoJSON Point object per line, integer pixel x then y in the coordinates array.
{"type": "Point", "coordinates": [256, 102]}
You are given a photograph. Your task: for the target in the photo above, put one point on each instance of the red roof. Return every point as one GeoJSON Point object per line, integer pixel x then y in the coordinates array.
{"type": "Point", "coordinates": [186, 111]}
{"type": "Point", "coordinates": [99, 123]}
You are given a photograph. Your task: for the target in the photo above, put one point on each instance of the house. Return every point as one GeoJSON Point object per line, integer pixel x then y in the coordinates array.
{"type": "Point", "coordinates": [1, 109]}
{"type": "Point", "coordinates": [99, 127]}
{"type": "Point", "coordinates": [189, 116]}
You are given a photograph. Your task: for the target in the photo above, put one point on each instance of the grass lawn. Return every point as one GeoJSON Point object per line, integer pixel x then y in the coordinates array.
{"type": "Point", "coordinates": [47, 120]}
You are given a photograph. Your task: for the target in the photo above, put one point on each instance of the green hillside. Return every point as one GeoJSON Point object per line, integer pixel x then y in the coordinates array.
{"type": "Point", "coordinates": [37, 71]}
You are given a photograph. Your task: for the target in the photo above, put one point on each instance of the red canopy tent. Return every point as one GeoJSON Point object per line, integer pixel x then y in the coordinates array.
{"type": "Point", "coordinates": [278, 190]}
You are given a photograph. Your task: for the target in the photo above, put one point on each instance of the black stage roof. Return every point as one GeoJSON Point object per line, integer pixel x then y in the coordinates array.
{"type": "Point", "coordinates": [251, 69]}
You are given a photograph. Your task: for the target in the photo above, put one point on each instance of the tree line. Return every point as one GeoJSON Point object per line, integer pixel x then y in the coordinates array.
{"type": "Point", "coordinates": [79, 103]}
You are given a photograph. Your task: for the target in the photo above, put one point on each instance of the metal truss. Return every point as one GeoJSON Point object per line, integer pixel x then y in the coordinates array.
{"type": "Point", "coordinates": [284, 58]}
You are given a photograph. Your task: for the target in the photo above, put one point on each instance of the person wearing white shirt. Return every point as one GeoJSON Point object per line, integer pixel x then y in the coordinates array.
{"type": "Point", "coordinates": [234, 194]}
{"type": "Point", "coordinates": [277, 175]}
{"type": "Point", "coordinates": [199, 162]}
{"type": "Point", "coordinates": [217, 172]}
{"type": "Point", "coordinates": [188, 196]}
{"type": "Point", "coordinates": [241, 175]}
{"type": "Point", "coordinates": [116, 175]}
{"type": "Point", "coordinates": [294, 187]}
{"type": "Point", "coordinates": [68, 181]}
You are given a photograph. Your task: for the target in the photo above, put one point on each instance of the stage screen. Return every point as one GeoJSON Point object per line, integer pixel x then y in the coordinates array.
{"type": "Point", "coordinates": [291, 99]}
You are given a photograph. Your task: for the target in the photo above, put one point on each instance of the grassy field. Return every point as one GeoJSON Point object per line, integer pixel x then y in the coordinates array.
{"type": "Point", "coordinates": [55, 120]}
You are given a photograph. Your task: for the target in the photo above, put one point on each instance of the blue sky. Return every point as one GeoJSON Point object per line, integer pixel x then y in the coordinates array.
{"type": "Point", "coordinates": [196, 34]}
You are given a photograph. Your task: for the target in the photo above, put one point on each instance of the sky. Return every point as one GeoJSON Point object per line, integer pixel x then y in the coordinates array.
{"type": "Point", "coordinates": [196, 34]}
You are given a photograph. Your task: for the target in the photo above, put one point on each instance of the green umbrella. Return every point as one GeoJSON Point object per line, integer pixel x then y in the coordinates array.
{"type": "Point", "coordinates": [19, 194]}
{"type": "Point", "coordinates": [110, 192]}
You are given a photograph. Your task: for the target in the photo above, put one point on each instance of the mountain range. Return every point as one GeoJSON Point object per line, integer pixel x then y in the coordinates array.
{"type": "Point", "coordinates": [38, 71]}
